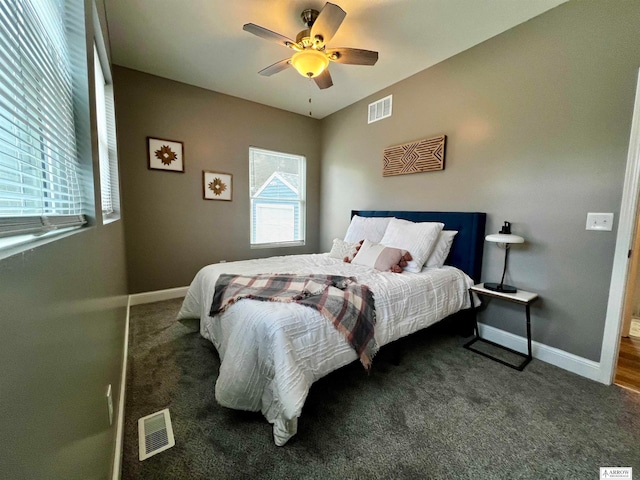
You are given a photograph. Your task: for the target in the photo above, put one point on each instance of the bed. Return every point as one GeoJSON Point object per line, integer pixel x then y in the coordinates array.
{"type": "Point", "coordinates": [271, 352]}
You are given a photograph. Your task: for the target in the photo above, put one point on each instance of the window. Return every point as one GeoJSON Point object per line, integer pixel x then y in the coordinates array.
{"type": "Point", "coordinates": [107, 149]}
{"type": "Point", "coordinates": [40, 176]}
{"type": "Point", "coordinates": [277, 184]}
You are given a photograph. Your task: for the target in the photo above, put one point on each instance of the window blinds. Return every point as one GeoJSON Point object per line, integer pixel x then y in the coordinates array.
{"type": "Point", "coordinates": [39, 168]}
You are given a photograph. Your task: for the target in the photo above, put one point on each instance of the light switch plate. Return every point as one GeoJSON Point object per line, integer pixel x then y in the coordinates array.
{"type": "Point", "coordinates": [600, 221]}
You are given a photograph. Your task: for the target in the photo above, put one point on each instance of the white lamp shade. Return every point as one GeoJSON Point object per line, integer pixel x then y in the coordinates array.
{"type": "Point", "coordinates": [504, 238]}
{"type": "Point", "coordinates": [309, 62]}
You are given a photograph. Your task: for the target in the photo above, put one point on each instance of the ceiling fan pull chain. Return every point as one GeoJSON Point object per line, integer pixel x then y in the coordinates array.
{"type": "Point", "coordinates": [310, 92]}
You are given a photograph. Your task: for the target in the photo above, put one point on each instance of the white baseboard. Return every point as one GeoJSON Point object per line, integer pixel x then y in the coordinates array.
{"type": "Point", "coordinates": [117, 455]}
{"type": "Point", "coordinates": [554, 356]}
{"type": "Point", "coordinates": [157, 296]}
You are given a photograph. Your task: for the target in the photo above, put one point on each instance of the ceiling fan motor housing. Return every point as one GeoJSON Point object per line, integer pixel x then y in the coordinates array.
{"type": "Point", "coordinates": [309, 16]}
{"type": "Point", "coordinates": [303, 38]}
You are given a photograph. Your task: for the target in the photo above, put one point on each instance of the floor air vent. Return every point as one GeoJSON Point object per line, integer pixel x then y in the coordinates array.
{"type": "Point", "coordinates": [155, 434]}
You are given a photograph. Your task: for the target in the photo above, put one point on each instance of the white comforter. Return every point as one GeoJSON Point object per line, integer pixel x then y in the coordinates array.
{"type": "Point", "coordinates": [272, 352]}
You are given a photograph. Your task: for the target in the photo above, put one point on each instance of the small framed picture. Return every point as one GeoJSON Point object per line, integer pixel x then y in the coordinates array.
{"type": "Point", "coordinates": [165, 154]}
{"type": "Point", "coordinates": [217, 185]}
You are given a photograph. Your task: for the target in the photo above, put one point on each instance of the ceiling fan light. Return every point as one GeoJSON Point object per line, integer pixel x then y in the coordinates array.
{"type": "Point", "coordinates": [309, 62]}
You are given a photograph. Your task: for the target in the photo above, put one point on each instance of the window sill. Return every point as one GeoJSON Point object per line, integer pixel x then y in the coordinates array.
{"type": "Point", "coordinates": [278, 245]}
{"type": "Point", "coordinates": [10, 246]}
{"type": "Point", "coordinates": [110, 219]}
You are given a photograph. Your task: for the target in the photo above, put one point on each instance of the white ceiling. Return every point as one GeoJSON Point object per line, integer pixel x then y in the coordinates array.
{"type": "Point", "coordinates": [201, 43]}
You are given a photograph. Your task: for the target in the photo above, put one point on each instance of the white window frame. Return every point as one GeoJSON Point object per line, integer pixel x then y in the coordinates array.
{"type": "Point", "coordinates": [301, 199]}
{"type": "Point", "coordinates": [106, 127]}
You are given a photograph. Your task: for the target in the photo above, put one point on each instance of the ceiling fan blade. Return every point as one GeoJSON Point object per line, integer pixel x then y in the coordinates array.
{"type": "Point", "coordinates": [276, 67]}
{"type": "Point", "coordinates": [268, 34]}
{"type": "Point", "coordinates": [324, 79]}
{"type": "Point", "coordinates": [326, 25]}
{"type": "Point", "coordinates": [353, 56]}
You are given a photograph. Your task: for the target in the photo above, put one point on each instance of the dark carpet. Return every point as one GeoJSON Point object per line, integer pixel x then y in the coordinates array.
{"type": "Point", "coordinates": [443, 413]}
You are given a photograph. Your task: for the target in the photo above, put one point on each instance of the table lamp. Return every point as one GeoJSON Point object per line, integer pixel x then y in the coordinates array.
{"type": "Point", "coordinates": [506, 238]}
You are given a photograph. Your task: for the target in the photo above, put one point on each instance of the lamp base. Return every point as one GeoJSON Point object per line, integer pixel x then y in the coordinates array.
{"type": "Point", "coordinates": [500, 287]}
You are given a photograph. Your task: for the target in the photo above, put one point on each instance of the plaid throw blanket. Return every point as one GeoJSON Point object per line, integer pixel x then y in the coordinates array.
{"type": "Point", "coordinates": [349, 306]}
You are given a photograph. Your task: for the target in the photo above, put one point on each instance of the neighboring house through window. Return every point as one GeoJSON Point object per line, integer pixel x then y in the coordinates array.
{"type": "Point", "coordinates": [277, 188]}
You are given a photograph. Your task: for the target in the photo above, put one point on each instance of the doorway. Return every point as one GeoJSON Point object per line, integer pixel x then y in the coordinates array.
{"type": "Point", "coordinates": [628, 369]}
{"type": "Point", "coordinates": [627, 373]}
{"type": "Point", "coordinates": [626, 251]}
{"type": "Point", "coordinates": [628, 365]}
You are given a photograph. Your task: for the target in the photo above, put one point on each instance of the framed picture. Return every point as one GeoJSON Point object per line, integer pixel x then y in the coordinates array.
{"type": "Point", "coordinates": [165, 155]}
{"type": "Point", "coordinates": [217, 185]}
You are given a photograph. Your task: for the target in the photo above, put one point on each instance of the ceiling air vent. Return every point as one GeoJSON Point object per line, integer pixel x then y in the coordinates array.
{"type": "Point", "coordinates": [155, 434]}
{"type": "Point", "coordinates": [380, 109]}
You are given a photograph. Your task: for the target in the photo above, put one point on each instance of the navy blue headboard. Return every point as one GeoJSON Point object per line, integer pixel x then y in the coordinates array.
{"type": "Point", "coordinates": [468, 244]}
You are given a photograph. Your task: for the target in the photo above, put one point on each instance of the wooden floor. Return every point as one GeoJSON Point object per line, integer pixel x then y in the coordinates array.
{"type": "Point", "coordinates": [628, 371]}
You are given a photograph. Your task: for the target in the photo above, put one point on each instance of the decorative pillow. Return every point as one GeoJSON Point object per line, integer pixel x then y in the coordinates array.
{"type": "Point", "coordinates": [370, 228]}
{"type": "Point", "coordinates": [402, 263]}
{"type": "Point", "coordinates": [378, 256]}
{"type": "Point", "coordinates": [345, 251]}
{"type": "Point", "coordinates": [418, 239]}
{"type": "Point", "coordinates": [442, 249]}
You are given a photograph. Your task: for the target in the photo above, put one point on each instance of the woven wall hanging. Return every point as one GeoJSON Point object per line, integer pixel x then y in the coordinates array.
{"type": "Point", "coordinates": [425, 155]}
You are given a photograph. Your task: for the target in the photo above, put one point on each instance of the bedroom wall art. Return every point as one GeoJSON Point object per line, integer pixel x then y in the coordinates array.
{"type": "Point", "coordinates": [217, 186]}
{"type": "Point", "coordinates": [425, 155]}
{"type": "Point", "coordinates": [165, 154]}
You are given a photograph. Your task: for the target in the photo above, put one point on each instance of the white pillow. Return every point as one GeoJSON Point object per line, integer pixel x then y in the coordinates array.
{"type": "Point", "coordinates": [442, 249]}
{"type": "Point", "coordinates": [418, 239]}
{"type": "Point", "coordinates": [376, 255]}
{"type": "Point", "coordinates": [344, 251]}
{"type": "Point", "coordinates": [370, 228]}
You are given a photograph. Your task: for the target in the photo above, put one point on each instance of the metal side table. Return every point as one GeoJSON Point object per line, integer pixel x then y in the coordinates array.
{"type": "Point", "coordinates": [521, 297]}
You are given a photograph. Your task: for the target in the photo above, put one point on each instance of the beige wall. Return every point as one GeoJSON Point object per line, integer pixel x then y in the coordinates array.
{"type": "Point", "coordinates": [537, 122]}
{"type": "Point", "coordinates": [62, 317]}
{"type": "Point", "coordinates": [171, 232]}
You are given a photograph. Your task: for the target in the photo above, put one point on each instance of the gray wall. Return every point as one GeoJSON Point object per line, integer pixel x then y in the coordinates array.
{"type": "Point", "coordinates": [62, 317]}
{"type": "Point", "coordinates": [171, 232]}
{"type": "Point", "coordinates": [537, 122]}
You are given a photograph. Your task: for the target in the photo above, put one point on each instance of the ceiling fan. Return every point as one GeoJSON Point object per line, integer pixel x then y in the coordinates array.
{"type": "Point", "coordinates": [312, 57]}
